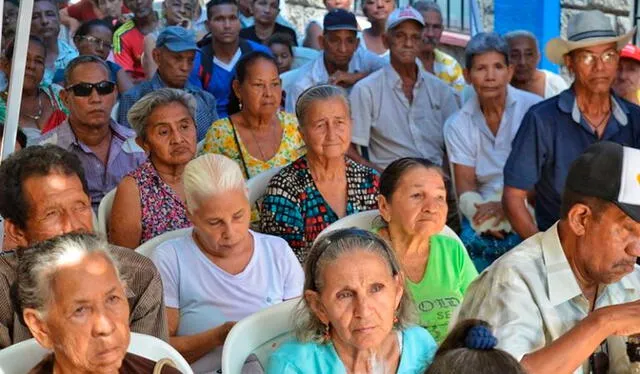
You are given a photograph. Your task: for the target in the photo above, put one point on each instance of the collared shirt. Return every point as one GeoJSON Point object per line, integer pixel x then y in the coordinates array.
{"type": "Point", "coordinates": [447, 69]}
{"type": "Point", "coordinates": [315, 72]}
{"type": "Point", "coordinates": [124, 156]}
{"type": "Point", "coordinates": [391, 127]}
{"type": "Point", "coordinates": [66, 53]}
{"type": "Point", "coordinates": [531, 297]}
{"type": "Point", "coordinates": [205, 103]}
{"type": "Point", "coordinates": [471, 143]}
{"type": "Point", "coordinates": [553, 134]}
{"type": "Point", "coordinates": [144, 294]}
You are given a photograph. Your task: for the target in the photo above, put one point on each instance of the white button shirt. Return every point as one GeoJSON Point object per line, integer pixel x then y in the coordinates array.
{"type": "Point", "coordinates": [531, 298]}
{"type": "Point", "coordinates": [391, 127]}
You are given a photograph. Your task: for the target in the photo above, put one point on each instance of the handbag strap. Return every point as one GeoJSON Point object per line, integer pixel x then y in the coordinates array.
{"type": "Point", "coordinates": [235, 137]}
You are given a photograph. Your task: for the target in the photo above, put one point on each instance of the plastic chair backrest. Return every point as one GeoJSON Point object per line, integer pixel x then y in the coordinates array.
{"type": "Point", "coordinates": [104, 211]}
{"type": "Point", "coordinates": [147, 248]}
{"type": "Point", "coordinates": [257, 185]}
{"type": "Point", "coordinates": [155, 349]}
{"type": "Point", "coordinates": [259, 334]}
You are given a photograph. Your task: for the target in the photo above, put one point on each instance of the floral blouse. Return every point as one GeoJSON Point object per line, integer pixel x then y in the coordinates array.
{"type": "Point", "coordinates": [293, 208]}
{"type": "Point", "coordinates": [220, 139]}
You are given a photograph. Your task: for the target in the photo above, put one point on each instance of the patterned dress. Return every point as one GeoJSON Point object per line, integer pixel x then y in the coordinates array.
{"type": "Point", "coordinates": [161, 208]}
{"type": "Point", "coordinates": [294, 209]}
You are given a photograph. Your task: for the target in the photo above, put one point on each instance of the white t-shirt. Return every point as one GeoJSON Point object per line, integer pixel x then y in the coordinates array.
{"type": "Point", "coordinates": [553, 84]}
{"type": "Point", "coordinates": [207, 296]}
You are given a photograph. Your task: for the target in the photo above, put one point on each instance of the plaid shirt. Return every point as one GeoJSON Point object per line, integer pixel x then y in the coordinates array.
{"type": "Point", "coordinates": [205, 103]}
{"type": "Point", "coordinates": [144, 294]}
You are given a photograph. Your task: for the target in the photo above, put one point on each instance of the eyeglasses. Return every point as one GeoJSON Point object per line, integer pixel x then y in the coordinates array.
{"type": "Point", "coordinates": [98, 42]}
{"type": "Point", "coordinates": [589, 59]}
{"type": "Point", "coordinates": [85, 89]}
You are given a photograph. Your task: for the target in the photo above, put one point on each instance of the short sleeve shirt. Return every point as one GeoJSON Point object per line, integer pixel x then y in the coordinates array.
{"type": "Point", "coordinates": [128, 47]}
{"type": "Point", "coordinates": [447, 69]}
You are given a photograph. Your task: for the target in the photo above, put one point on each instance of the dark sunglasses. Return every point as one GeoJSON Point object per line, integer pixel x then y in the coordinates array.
{"type": "Point", "coordinates": [84, 89]}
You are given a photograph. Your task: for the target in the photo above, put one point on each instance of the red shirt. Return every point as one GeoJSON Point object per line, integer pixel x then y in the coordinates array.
{"type": "Point", "coordinates": [83, 11]}
{"type": "Point", "coordinates": [128, 46]}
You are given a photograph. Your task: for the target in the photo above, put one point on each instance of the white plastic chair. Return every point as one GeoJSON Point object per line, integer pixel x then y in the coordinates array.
{"type": "Point", "coordinates": [259, 334]}
{"type": "Point", "coordinates": [20, 358]}
{"type": "Point", "coordinates": [257, 185]}
{"type": "Point", "coordinates": [104, 211]}
{"type": "Point", "coordinates": [147, 248]}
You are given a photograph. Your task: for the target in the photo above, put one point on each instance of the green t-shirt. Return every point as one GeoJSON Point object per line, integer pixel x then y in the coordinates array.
{"type": "Point", "coordinates": [448, 274]}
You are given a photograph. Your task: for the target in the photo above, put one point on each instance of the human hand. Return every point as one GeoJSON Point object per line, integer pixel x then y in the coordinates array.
{"type": "Point", "coordinates": [344, 79]}
{"type": "Point", "coordinates": [486, 211]}
{"type": "Point", "coordinates": [624, 319]}
{"type": "Point", "coordinates": [223, 331]}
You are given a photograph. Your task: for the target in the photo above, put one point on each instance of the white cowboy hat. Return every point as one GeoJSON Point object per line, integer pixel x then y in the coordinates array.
{"type": "Point", "coordinates": [586, 29]}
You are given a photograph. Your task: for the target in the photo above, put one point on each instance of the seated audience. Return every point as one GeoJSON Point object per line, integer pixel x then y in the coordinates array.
{"type": "Point", "coordinates": [478, 139]}
{"type": "Point", "coordinates": [565, 300]}
{"type": "Point", "coordinates": [377, 13]}
{"type": "Point", "coordinates": [259, 136]}
{"type": "Point", "coordinates": [174, 54]}
{"type": "Point", "coordinates": [470, 348]}
{"type": "Point", "coordinates": [265, 25]}
{"type": "Point", "coordinates": [44, 194]}
{"type": "Point", "coordinates": [215, 66]}
{"type": "Point", "coordinates": [413, 208]}
{"type": "Point", "coordinates": [340, 63]}
{"type": "Point", "coordinates": [323, 186]}
{"type": "Point", "coordinates": [41, 109]}
{"type": "Point", "coordinates": [525, 57]}
{"type": "Point", "coordinates": [430, 58]}
{"type": "Point", "coordinates": [281, 47]}
{"type": "Point", "coordinates": [356, 316]}
{"type": "Point", "coordinates": [71, 294]}
{"type": "Point", "coordinates": [556, 131]}
{"type": "Point", "coordinates": [107, 150]}
{"type": "Point", "coordinates": [149, 201]}
{"type": "Point", "coordinates": [627, 84]}
{"type": "Point", "coordinates": [243, 271]}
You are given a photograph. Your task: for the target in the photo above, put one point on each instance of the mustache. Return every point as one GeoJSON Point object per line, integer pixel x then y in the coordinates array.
{"type": "Point", "coordinates": [429, 40]}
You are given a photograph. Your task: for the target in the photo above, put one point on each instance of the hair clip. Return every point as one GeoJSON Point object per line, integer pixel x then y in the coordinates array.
{"type": "Point", "coordinates": [480, 337]}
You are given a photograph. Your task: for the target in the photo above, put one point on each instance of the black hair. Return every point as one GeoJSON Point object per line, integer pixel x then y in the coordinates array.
{"type": "Point", "coordinates": [8, 52]}
{"type": "Point", "coordinates": [213, 3]}
{"type": "Point", "coordinates": [86, 27]}
{"type": "Point", "coordinates": [21, 138]}
{"type": "Point", "coordinates": [281, 38]}
{"type": "Point", "coordinates": [242, 68]}
{"type": "Point", "coordinates": [392, 173]}
{"type": "Point", "coordinates": [571, 198]}
{"type": "Point", "coordinates": [34, 161]}
{"type": "Point", "coordinates": [81, 60]}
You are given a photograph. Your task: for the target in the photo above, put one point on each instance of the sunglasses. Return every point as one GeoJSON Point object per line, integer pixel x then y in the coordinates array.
{"type": "Point", "coordinates": [85, 89]}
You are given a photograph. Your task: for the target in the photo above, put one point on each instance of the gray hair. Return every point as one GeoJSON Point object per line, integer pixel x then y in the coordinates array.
{"type": "Point", "coordinates": [208, 175]}
{"type": "Point", "coordinates": [424, 6]}
{"type": "Point", "coordinates": [319, 93]}
{"type": "Point", "coordinates": [328, 248]}
{"type": "Point", "coordinates": [517, 34]}
{"type": "Point", "coordinates": [485, 42]}
{"type": "Point", "coordinates": [38, 265]}
{"type": "Point", "coordinates": [81, 60]}
{"type": "Point", "coordinates": [140, 112]}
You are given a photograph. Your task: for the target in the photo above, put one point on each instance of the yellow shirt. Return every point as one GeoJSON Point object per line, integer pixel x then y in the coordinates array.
{"type": "Point", "coordinates": [447, 69]}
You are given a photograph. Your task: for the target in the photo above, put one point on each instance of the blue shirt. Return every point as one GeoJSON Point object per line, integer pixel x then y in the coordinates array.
{"type": "Point", "coordinates": [205, 103]}
{"type": "Point", "coordinates": [418, 349]}
{"type": "Point", "coordinates": [553, 133]}
{"type": "Point", "coordinates": [221, 78]}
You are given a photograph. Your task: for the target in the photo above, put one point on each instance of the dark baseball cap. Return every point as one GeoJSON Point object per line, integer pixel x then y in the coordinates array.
{"type": "Point", "coordinates": [177, 39]}
{"type": "Point", "coordinates": [611, 172]}
{"type": "Point", "coordinates": [340, 19]}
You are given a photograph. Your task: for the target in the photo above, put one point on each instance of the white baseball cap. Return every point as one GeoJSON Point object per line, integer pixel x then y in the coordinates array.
{"type": "Point", "coordinates": [400, 15]}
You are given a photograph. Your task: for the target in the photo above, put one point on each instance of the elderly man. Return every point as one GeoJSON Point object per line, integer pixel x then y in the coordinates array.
{"type": "Point", "coordinates": [525, 56]}
{"type": "Point", "coordinates": [628, 82]}
{"type": "Point", "coordinates": [556, 131]}
{"type": "Point", "coordinates": [430, 58]}
{"type": "Point", "coordinates": [564, 297]}
{"type": "Point", "coordinates": [174, 54]}
{"type": "Point", "coordinates": [43, 194]}
{"type": "Point", "coordinates": [107, 150]}
{"type": "Point", "coordinates": [341, 62]}
{"type": "Point", "coordinates": [128, 39]}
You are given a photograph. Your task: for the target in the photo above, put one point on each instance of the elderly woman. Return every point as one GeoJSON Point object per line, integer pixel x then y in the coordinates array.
{"type": "Point", "coordinates": [150, 200]}
{"type": "Point", "coordinates": [377, 12]}
{"type": "Point", "coordinates": [356, 316]}
{"type": "Point", "coordinates": [478, 140]}
{"type": "Point", "coordinates": [220, 271]}
{"type": "Point", "coordinates": [72, 298]}
{"type": "Point", "coordinates": [256, 135]}
{"type": "Point", "coordinates": [413, 208]}
{"type": "Point", "coordinates": [323, 186]}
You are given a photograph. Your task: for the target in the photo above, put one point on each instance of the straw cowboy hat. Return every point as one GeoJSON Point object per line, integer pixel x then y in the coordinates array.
{"type": "Point", "coordinates": [585, 29]}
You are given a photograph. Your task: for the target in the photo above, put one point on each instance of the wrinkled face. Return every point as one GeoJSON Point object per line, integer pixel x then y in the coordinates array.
{"type": "Point", "coordinates": [34, 69]}
{"type": "Point", "coordinates": [339, 46]}
{"type": "Point", "coordinates": [378, 10]}
{"type": "Point", "coordinates": [9, 21]}
{"type": "Point", "coordinates": [224, 23]}
{"type": "Point", "coordinates": [45, 20]}
{"type": "Point", "coordinates": [261, 91]}
{"type": "Point", "coordinates": [432, 31]}
{"type": "Point", "coordinates": [140, 8]}
{"type": "Point", "coordinates": [87, 323]}
{"type": "Point", "coordinates": [327, 128]}
{"type": "Point", "coordinates": [57, 205]}
{"type": "Point", "coordinates": [283, 56]}
{"type": "Point", "coordinates": [222, 222]}
{"type": "Point", "coordinates": [265, 11]}
{"type": "Point", "coordinates": [595, 68]}
{"type": "Point", "coordinates": [524, 57]}
{"type": "Point", "coordinates": [628, 80]}
{"type": "Point", "coordinates": [170, 135]}
{"type": "Point", "coordinates": [110, 8]}
{"type": "Point", "coordinates": [418, 206]}
{"type": "Point", "coordinates": [338, 4]}
{"type": "Point", "coordinates": [174, 67]}
{"type": "Point", "coordinates": [177, 11]}
{"type": "Point", "coordinates": [404, 41]}
{"type": "Point", "coordinates": [97, 42]}
{"type": "Point", "coordinates": [358, 300]}
{"type": "Point", "coordinates": [95, 109]}
{"type": "Point", "coordinates": [489, 75]}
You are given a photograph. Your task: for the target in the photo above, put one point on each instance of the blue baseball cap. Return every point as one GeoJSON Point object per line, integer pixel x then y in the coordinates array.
{"type": "Point", "coordinates": [177, 39]}
{"type": "Point", "coordinates": [340, 19]}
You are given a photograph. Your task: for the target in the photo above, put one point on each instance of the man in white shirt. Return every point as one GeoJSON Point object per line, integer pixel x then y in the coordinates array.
{"type": "Point", "coordinates": [564, 300]}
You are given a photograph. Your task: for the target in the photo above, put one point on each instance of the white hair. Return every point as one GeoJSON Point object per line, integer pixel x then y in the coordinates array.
{"type": "Point", "coordinates": [208, 175]}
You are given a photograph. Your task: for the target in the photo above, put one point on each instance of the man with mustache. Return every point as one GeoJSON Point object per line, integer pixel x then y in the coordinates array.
{"type": "Point", "coordinates": [564, 300]}
{"type": "Point", "coordinates": [107, 150]}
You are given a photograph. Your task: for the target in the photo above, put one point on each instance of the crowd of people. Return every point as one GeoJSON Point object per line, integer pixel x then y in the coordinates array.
{"type": "Point", "coordinates": [170, 112]}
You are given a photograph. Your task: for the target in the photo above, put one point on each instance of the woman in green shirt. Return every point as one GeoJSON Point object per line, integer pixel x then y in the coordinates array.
{"type": "Point", "coordinates": [413, 207]}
